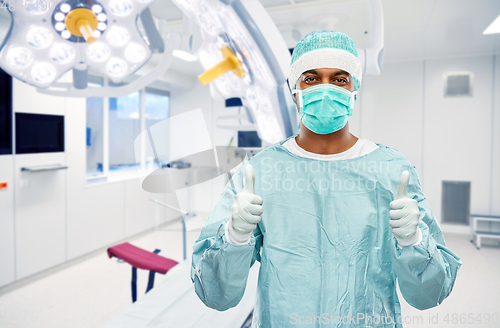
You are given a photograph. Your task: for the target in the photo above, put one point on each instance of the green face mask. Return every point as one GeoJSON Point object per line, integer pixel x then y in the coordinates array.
{"type": "Point", "coordinates": [325, 108]}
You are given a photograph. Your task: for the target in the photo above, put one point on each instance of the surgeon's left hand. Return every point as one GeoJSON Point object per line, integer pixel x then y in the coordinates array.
{"type": "Point", "coordinates": [404, 215]}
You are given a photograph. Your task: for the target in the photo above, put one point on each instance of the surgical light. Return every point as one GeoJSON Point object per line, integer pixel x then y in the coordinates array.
{"type": "Point", "coordinates": [98, 52]}
{"type": "Point", "coordinates": [59, 26]}
{"type": "Point", "coordinates": [494, 27]}
{"type": "Point", "coordinates": [19, 57]}
{"type": "Point", "coordinates": [65, 8]}
{"type": "Point", "coordinates": [116, 67]}
{"type": "Point", "coordinates": [97, 9]}
{"type": "Point", "coordinates": [43, 72]}
{"type": "Point", "coordinates": [59, 17]}
{"type": "Point", "coordinates": [118, 36]}
{"type": "Point", "coordinates": [62, 53]}
{"type": "Point", "coordinates": [120, 7]}
{"type": "Point", "coordinates": [66, 34]}
{"type": "Point", "coordinates": [43, 44]}
{"type": "Point", "coordinates": [135, 53]}
{"type": "Point", "coordinates": [39, 37]}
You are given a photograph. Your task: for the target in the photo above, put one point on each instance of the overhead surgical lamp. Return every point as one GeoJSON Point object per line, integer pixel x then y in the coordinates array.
{"type": "Point", "coordinates": [44, 42]}
{"type": "Point", "coordinates": [240, 39]}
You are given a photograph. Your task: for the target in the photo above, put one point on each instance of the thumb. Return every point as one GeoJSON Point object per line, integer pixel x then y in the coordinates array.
{"type": "Point", "coordinates": [249, 179]}
{"type": "Point", "coordinates": [403, 185]}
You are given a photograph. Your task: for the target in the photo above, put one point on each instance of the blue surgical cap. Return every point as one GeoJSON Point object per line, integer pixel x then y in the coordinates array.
{"type": "Point", "coordinates": [325, 49]}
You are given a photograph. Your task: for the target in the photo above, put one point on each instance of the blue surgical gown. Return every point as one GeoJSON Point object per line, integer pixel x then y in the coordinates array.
{"type": "Point", "coordinates": [327, 253]}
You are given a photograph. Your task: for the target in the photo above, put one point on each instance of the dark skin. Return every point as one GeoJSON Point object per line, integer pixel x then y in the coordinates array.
{"type": "Point", "coordinates": [325, 144]}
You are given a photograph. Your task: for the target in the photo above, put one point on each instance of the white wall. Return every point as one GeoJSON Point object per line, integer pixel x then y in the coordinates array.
{"type": "Point", "coordinates": [392, 109]}
{"type": "Point", "coordinates": [458, 132]}
{"type": "Point", "coordinates": [445, 138]}
{"type": "Point", "coordinates": [7, 229]}
{"type": "Point", "coordinates": [495, 179]}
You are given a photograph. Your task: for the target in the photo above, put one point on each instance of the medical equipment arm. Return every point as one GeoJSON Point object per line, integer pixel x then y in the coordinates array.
{"type": "Point", "coordinates": [219, 269]}
{"type": "Point", "coordinates": [426, 272]}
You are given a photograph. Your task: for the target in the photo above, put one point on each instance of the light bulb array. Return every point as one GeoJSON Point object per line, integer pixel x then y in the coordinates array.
{"type": "Point", "coordinates": [65, 9]}
{"type": "Point", "coordinates": [41, 47]}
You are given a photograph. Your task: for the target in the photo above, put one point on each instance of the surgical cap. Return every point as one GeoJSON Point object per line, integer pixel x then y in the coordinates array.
{"type": "Point", "coordinates": [325, 49]}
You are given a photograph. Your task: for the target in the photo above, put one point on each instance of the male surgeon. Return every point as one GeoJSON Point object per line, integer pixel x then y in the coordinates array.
{"type": "Point", "coordinates": [333, 219]}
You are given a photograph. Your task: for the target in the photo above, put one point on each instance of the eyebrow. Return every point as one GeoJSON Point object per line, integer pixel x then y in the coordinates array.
{"type": "Point", "coordinates": [313, 71]}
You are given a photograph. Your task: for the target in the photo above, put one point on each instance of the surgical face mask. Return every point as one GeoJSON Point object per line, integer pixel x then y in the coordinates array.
{"type": "Point", "coordinates": [325, 108]}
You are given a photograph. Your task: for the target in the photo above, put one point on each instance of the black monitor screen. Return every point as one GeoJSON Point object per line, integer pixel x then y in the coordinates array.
{"type": "Point", "coordinates": [37, 133]}
{"type": "Point", "coordinates": [249, 139]}
{"type": "Point", "coordinates": [5, 113]}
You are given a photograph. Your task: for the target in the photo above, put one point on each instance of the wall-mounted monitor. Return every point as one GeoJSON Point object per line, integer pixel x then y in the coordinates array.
{"type": "Point", "coordinates": [5, 113]}
{"type": "Point", "coordinates": [39, 133]}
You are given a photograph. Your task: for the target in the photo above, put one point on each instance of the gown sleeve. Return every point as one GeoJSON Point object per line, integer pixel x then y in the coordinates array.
{"type": "Point", "coordinates": [219, 270]}
{"type": "Point", "coordinates": [426, 272]}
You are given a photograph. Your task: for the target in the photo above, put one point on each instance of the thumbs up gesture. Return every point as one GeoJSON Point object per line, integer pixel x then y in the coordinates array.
{"type": "Point", "coordinates": [404, 214]}
{"type": "Point", "coordinates": [247, 206]}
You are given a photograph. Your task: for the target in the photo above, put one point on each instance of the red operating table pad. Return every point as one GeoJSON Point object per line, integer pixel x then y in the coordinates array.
{"type": "Point", "coordinates": [141, 259]}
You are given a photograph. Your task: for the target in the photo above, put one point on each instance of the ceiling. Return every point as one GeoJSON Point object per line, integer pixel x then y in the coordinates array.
{"type": "Point", "coordinates": [439, 28]}
{"type": "Point", "coordinates": [414, 29]}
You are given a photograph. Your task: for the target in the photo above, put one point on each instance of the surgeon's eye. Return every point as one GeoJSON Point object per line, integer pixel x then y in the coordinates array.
{"type": "Point", "coordinates": [340, 81]}
{"type": "Point", "coordinates": [310, 79]}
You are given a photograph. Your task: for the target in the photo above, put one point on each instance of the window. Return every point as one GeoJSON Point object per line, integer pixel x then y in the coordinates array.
{"type": "Point", "coordinates": [124, 127]}
{"type": "Point", "coordinates": [157, 106]}
{"type": "Point", "coordinates": [110, 145]}
{"type": "Point", "coordinates": [95, 135]}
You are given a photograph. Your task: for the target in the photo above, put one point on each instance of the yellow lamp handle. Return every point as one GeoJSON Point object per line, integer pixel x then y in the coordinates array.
{"type": "Point", "coordinates": [84, 27]}
{"type": "Point", "coordinates": [229, 63]}
{"type": "Point", "coordinates": [82, 22]}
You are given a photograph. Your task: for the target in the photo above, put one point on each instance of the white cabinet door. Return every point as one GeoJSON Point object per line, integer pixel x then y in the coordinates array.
{"type": "Point", "coordinates": [40, 214]}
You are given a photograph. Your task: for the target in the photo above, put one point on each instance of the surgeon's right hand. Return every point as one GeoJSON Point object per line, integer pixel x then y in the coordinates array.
{"type": "Point", "coordinates": [246, 211]}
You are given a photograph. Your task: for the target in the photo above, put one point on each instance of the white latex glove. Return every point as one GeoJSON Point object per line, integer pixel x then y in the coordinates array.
{"type": "Point", "coordinates": [404, 215]}
{"type": "Point", "coordinates": [246, 211]}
